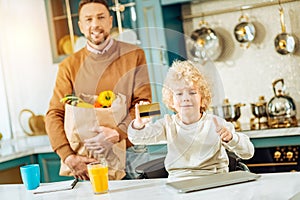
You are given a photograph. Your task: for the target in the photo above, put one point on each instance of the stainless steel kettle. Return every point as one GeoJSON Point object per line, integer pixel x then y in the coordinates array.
{"type": "Point", "coordinates": [281, 105]}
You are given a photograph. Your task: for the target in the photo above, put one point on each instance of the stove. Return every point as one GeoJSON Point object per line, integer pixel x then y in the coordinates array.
{"type": "Point", "coordinates": [274, 159]}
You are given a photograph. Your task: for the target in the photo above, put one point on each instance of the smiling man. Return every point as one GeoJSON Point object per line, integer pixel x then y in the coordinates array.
{"type": "Point", "coordinates": [103, 64]}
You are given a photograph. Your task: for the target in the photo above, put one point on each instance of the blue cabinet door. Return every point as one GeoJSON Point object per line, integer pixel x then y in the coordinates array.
{"type": "Point", "coordinates": [152, 36]}
{"type": "Point", "coordinates": [50, 165]}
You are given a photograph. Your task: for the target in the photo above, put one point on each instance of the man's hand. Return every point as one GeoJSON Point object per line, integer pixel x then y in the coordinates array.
{"type": "Point", "coordinates": [224, 133]}
{"type": "Point", "coordinates": [102, 142]}
{"type": "Point", "coordinates": [77, 164]}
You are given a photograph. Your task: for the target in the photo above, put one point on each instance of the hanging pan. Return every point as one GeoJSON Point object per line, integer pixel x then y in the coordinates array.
{"type": "Point", "coordinates": [206, 40]}
{"type": "Point", "coordinates": [244, 32]}
{"type": "Point", "coordinates": [285, 43]}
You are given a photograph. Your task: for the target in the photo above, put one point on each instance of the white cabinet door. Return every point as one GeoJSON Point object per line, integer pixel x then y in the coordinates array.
{"type": "Point", "coordinates": [152, 36]}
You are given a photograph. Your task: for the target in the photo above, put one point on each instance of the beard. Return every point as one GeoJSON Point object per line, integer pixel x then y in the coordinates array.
{"type": "Point", "coordinates": [97, 40]}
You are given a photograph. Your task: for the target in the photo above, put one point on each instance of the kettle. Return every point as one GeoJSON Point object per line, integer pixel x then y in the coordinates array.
{"type": "Point", "coordinates": [36, 123]}
{"type": "Point", "coordinates": [281, 105]}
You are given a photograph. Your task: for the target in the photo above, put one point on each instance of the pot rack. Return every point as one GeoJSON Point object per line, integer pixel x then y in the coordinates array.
{"type": "Point", "coordinates": [235, 9]}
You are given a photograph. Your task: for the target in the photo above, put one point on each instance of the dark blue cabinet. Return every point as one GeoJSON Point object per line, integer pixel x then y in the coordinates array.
{"type": "Point", "coordinates": [50, 165]}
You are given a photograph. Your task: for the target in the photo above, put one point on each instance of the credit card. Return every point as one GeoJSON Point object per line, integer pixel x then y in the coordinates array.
{"type": "Point", "coordinates": [148, 110]}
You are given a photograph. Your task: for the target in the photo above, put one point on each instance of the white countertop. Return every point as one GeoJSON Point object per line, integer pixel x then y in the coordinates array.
{"type": "Point", "coordinates": [276, 132]}
{"type": "Point", "coordinates": [275, 186]}
{"type": "Point", "coordinates": [28, 145]}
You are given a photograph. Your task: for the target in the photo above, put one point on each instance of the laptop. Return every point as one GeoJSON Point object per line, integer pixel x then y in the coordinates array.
{"type": "Point", "coordinates": [212, 181]}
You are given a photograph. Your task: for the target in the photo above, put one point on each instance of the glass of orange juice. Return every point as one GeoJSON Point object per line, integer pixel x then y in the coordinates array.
{"type": "Point", "coordinates": [98, 173]}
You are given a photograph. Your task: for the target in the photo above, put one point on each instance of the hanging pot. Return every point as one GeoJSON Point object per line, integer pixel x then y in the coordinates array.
{"type": "Point", "coordinates": [207, 42]}
{"type": "Point", "coordinates": [244, 32]}
{"type": "Point", "coordinates": [285, 43]}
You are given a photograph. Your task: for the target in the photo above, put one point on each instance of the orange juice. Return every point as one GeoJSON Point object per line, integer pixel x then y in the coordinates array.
{"type": "Point", "coordinates": [98, 174]}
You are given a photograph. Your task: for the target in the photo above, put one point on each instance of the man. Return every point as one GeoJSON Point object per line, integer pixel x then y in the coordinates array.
{"type": "Point", "coordinates": [104, 64]}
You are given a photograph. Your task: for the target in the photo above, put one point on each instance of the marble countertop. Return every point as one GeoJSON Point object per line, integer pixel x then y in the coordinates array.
{"type": "Point", "coordinates": [268, 186]}
{"type": "Point", "coordinates": [273, 132]}
{"type": "Point", "coordinates": [28, 145]}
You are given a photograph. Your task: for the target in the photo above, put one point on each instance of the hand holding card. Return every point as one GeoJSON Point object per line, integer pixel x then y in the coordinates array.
{"type": "Point", "coordinates": [148, 110]}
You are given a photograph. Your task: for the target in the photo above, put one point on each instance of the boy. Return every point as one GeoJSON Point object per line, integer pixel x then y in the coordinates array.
{"type": "Point", "coordinates": [196, 141]}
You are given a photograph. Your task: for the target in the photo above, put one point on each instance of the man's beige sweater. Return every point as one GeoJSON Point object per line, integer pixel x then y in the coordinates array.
{"type": "Point", "coordinates": [121, 69]}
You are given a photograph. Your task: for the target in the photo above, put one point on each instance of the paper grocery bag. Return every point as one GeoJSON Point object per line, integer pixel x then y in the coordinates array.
{"type": "Point", "coordinates": [79, 121]}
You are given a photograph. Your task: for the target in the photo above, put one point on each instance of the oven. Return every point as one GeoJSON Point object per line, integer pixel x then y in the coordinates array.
{"type": "Point", "coordinates": [274, 159]}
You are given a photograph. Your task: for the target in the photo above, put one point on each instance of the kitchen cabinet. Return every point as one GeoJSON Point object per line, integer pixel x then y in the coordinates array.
{"type": "Point", "coordinates": [63, 28]}
{"type": "Point", "coordinates": [49, 166]}
{"type": "Point", "coordinates": [168, 2]}
{"type": "Point", "coordinates": [10, 170]}
{"type": "Point", "coordinates": [153, 41]}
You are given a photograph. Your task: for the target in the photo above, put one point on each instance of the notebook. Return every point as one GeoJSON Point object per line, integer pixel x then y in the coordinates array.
{"type": "Point", "coordinates": [212, 181]}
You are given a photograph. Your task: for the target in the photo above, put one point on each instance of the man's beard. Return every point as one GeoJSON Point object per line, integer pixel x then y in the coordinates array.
{"type": "Point", "coordinates": [106, 35]}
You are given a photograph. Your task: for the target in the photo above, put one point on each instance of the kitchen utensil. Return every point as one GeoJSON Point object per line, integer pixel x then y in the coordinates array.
{"type": "Point", "coordinates": [281, 104]}
{"type": "Point", "coordinates": [229, 112]}
{"type": "Point", "coordinates": [244, 32]}
{"type": "Point", "coordinates": [285, 43]}
{"type": "Point", "coordinates": [259, 109]}
{"type": "Point", "coordinates": [207, 40]}
{"type": "Point", "coordinates": [36, 123]}
{"type": "Point", "coordinates": [281, 108]}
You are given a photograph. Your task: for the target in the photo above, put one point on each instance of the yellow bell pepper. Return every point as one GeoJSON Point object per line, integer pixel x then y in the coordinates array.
{"type": "Point", "coordinates": [106, 98]}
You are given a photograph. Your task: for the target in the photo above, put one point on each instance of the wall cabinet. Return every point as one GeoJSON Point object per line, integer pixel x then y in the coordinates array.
{"type": "Point", "coordinates": [168, 2]}
{"type": "Point", "coordinates": [63, 27]}
{"type": "Point", "coordinates": [153, 41]}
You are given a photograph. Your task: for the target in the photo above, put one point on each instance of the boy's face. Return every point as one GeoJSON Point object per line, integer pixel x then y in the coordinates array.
{"type": "Point", "coordinates": [186, 99]}
{"type": "Point", "coordinates": [95, 22]}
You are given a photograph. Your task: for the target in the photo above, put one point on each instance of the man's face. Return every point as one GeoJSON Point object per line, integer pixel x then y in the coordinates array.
{"type": "Point", "coordinates": [95, 23]}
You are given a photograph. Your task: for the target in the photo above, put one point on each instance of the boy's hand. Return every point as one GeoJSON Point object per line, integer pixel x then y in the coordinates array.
{"type": "Point", "coordinates": [224, 133]}
{"type": "Point", "coordinates": [139, 122]}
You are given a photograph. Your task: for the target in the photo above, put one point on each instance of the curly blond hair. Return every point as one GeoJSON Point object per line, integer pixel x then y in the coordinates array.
{"type": "Point", "coordinates": [185, 70]}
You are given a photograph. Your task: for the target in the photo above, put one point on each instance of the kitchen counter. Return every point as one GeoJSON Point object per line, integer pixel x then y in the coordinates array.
{"type": "Point", "coordinates": [28, 145]}
{"type": "Point", "coordinates": [275, 186]}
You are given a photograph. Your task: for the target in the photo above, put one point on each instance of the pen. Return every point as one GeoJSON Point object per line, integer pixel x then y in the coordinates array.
{"type": "Point", "coordinates": [55, 188]}
{"type": "Point", "coordinates": [74, 182]}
